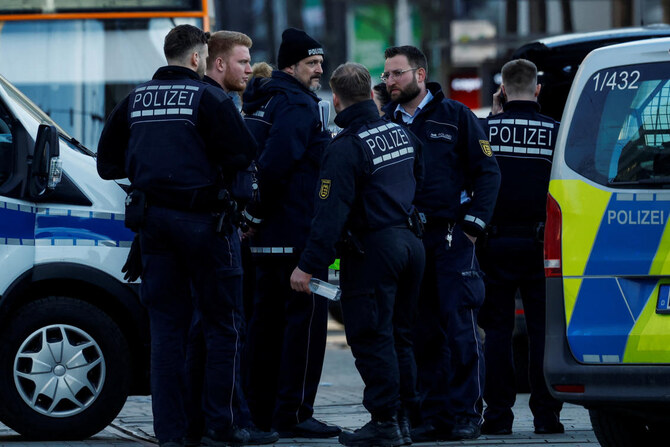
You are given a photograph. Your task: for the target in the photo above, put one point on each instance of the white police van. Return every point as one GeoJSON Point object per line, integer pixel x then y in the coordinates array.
{"type": "Point", "coordinates": [607, 245]}
{"type": "Point", "coordinates": [74, 338]}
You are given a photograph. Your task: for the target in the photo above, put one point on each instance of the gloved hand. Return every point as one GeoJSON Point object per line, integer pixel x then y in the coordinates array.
{"type": "Point", "coordinates": [133, 266]}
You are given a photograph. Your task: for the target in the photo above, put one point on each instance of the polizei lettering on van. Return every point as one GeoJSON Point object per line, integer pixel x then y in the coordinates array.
{"type": "Point", "coordinates": [636, 217]}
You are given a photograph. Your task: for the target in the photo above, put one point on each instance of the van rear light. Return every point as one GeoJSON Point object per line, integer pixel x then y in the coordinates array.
{"type": "Point", "coordinates": [552, 239]}
{"type": "Point", "coordinates": [577, 389]}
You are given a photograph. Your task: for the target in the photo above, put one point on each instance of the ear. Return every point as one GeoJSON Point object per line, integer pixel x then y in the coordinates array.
{"type": "Point", "coordinates": [195, 57]}
{"type": "Point", "coordinates": [421, 75]}
{"type": "Point", "coordinates": [537, 90]}
{"type": "Point", "coordinates": [372, 94]}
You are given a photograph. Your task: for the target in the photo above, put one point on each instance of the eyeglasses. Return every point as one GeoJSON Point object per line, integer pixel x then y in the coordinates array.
{"type": "Point", "coordinates": [395, 74]}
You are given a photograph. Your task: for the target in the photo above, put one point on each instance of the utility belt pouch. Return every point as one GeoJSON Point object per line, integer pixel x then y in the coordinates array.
{"type": "Point", "coordinates": [350, 244]}
{"type": "Point", "coordinates": [416, 223]}
{"type": "Point", "coordinates": [136, 205]}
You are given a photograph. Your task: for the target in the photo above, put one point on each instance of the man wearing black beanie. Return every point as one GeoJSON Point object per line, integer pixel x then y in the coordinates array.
{"type": "Point", "coordinates": [287, 333]}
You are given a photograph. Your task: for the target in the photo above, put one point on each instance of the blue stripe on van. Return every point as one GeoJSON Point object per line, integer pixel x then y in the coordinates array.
{"type": "Point", "coordinates": [27, 225]}
{"type": "Point", "coordinates": [74, 228]}
{"type": "Point", "coordinates": [629, 235]}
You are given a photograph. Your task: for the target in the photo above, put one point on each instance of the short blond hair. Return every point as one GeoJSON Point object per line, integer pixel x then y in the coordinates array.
{"type": "Point", "coordinates": [221, 43]}
{"type": "Point", "coordinates": [261, 70]}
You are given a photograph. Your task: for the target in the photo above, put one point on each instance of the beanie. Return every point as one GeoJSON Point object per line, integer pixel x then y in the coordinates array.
{"type": "Point", "coordinates": [295, 46]}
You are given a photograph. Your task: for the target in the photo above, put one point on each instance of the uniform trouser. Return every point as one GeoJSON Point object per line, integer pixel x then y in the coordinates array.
{"type": "Point", "coordinates": [447, 345]}
{"type": "Point", "coordinates": [379, 294]}
{"type": "Point", "coordinates": [513, 264]}
{"type": "Point", "coordinates": [286, 345]}
{"type": "Point", "coordinates": [182, 256]}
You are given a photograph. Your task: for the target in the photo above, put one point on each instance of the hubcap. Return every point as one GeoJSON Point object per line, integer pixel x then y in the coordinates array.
{"type": "Point", "coordinates": [59, 370]}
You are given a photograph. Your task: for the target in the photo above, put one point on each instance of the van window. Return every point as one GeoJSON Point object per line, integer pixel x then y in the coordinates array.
{"type": "Point", "coordinates": [620, 132]}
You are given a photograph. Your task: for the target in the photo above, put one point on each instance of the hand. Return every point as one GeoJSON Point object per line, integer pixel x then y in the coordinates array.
{"type": "Point", "coordinates": [473, 239]}
{"type": "Point", "coordinates": [300, 281]}
{"type": "Point", "coordinates": [251, 232]}
{"type": "Point", "coordinates": [133, 266]}
{"type": "Point", "coordinates": [497, 106]}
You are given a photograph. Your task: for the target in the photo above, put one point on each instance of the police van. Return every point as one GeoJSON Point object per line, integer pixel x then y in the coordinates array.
{"type": "Point", "coordinates": [607, 245]}
{"type": "Point", "coordinates": [74, 338]}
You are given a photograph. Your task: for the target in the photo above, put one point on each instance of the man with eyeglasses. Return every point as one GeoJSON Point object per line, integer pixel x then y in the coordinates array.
{"type": "Point", "coordinates": [287, 332]}
{"type": "Point", "coordinates": [456, 202]}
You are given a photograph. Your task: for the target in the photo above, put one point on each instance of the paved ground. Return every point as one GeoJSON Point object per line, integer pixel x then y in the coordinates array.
{"type": "Point", "coordinates": [338, 402]}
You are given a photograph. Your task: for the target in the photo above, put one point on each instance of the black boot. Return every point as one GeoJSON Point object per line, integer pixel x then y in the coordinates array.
{"type": "Point", "coordinates": [374, 433]}
{"type": "Point", "coordinates": [404, 425]}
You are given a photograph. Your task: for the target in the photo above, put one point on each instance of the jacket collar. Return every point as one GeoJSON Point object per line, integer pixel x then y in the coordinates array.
{"type": "Point", "coordinates": [360, 112]}
{"type": "Point", "coordinates": [176, 72]}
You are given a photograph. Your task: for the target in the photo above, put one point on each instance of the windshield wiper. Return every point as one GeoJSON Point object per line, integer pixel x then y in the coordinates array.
{"type": "Point", "coordinates": [78, 144]}
{"type": "Point", "coordinates": [663, 181]}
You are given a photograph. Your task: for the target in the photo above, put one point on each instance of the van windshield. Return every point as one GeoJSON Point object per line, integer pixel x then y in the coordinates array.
{"type": "Point", "coordinates": [620, 131]}
{"type": "Point", "coordinates": [27, 105]}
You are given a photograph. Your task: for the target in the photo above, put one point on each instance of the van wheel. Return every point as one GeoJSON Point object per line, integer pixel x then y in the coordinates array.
{"type": "Point", "coordinates": [64, 370]}
{"type": "Point", "coordinates": [617, 429]}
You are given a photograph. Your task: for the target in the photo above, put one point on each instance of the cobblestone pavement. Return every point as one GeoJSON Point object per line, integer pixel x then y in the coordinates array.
{"type": "Point", "coordinates": [337, 402]}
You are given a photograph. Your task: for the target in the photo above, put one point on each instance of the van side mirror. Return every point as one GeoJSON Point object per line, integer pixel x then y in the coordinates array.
{"type": "Point", "coordinates": [45, 168]}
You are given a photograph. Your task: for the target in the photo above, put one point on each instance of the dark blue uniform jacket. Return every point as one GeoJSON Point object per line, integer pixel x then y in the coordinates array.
{"type": "Point", "coordinates": [284, 117]}
{"type": "Point", "coordinates": [523, 141]}
{"type": "Point", "coordinates": [368, 180]}
{"type": "Point", "coordinates": [457, 157]}
{"type": "Point", "coordinates": [174, 135]}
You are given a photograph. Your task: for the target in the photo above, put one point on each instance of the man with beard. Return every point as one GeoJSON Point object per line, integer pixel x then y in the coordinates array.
{"type": "Point", "coordinates": [228, 67]}
{"type": "Point", "coordinates": [172, 137]}
{"type": "Point", "coordinates": [287, 332]}
{"type": "Point", "coordinates": [456, 201]}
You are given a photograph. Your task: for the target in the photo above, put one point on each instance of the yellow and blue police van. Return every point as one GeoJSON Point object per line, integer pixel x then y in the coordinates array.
{"type": "Point", "coordinates": [74, 339]}
{"type": "Point", "coordinates": [607, 245]}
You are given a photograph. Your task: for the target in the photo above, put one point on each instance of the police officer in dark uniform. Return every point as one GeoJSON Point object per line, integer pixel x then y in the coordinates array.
{"type": "Point", "coordinates": [368, 180]}
{"type": "Point", "coordinates": [456, 200]}
{"type": "Point", "coordinates": [173, 137]}
{"type": "Point", "coordinates": [287, 331]}
{"type": "Point", "coordinates": [523, 141]}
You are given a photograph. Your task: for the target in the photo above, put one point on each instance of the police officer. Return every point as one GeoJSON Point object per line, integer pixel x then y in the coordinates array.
{"type": "Point", "coordinates": [523, 141]}
{"type": "Point", "coordinates": [172, 137]}
{"type": "Point", "coordinates": [287, 332]}
{"type": "Point", "coordinates": [368, 179]}
{"type": "Point", "coordinates": [456, 200]}
{"type": "Point", "coordinates": [228, 68]}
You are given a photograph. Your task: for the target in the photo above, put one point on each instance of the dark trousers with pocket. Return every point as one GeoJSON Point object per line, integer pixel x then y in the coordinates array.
{"type": "Point", "coordinates": [379, 294]}
{"type": "Point", "coordinates": [286, 345]}
{"type": "Point", "coordinates": [187, 266]}
{"type": "Point", "coordinates": [514, 264]}
{"type": "Point", "coordinates": [447, 344]}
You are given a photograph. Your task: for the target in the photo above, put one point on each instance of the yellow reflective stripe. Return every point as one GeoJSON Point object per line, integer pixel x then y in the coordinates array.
{"type": "Point", "coordinates": [649, 339]}
{"type": "Point", "coordinates": [661, 263]}
{"type": "Point", "coordinates": [570, 292]}
{"type": "Point", "coordinates": [581, 220]}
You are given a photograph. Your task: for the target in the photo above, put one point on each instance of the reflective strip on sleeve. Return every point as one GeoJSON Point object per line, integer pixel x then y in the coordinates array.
{"type": "Point", "coordinates": [250, 218]}
{"type": "Point", "coordinates": [475, 220]}
{"type": "Point", "coordinates": [272, 250]}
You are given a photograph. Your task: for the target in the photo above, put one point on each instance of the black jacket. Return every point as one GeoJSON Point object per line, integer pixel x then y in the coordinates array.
{"type": "Point", "coordinates": [368, 181]}
{"type": "Point", "coordinates": [523, 141]}
{"type": "Point", "coordinates": [457, 157]}
{"type": "Point", "coordinates": [173, 135]}
{"type": "Point", "coordinates": [284, 117]}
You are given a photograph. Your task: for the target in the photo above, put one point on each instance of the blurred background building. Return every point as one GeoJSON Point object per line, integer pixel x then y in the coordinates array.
{"type": "Point", "coordinates": [76, 59]}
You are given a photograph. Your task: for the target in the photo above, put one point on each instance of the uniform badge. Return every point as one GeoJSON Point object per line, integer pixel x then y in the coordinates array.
{"type": "Point", "coordinates": [324, 191]}
{"type": "Point", "coordinates": [486, 147]}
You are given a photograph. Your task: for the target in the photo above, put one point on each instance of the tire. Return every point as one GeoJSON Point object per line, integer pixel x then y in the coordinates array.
{"type": "Point", "coordinates": [90, 388]}
{"type": "Point", "coordinates": [618, 429]}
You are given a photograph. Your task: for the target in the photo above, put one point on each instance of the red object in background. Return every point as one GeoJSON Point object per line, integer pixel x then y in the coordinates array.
{"type": "Point", "coordinates": [466, 87]}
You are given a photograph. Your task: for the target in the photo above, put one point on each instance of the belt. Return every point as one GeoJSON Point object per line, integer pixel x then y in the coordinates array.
{"type": "Point", "coordinates": [436, 221]}
{"type": "Point", "coordinates": [201, 199]}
